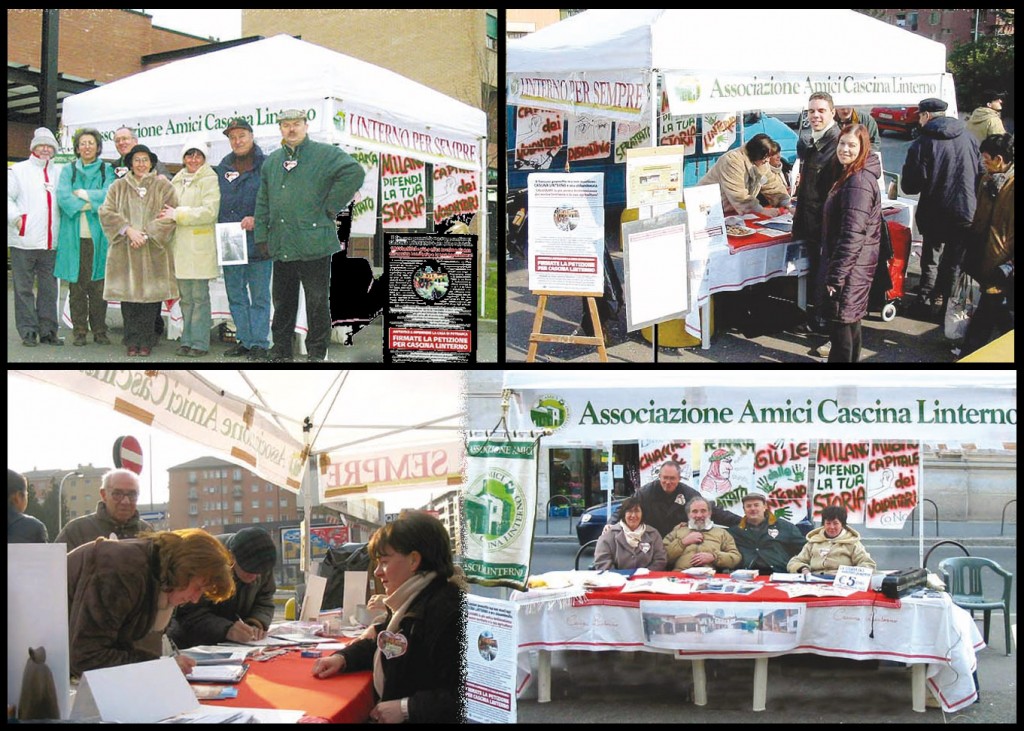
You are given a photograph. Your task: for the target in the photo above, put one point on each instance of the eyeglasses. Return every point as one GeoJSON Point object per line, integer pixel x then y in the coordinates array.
{"type": "Point", "coordinates": [120, 495]}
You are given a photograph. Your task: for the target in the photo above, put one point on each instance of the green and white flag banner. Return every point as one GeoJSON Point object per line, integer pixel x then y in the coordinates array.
{"type": "Point", "coordinates": [499, 507]}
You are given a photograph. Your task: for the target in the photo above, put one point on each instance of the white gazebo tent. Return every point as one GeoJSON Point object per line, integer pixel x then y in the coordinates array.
{"type": "Point", "coordinates": [347, 101]}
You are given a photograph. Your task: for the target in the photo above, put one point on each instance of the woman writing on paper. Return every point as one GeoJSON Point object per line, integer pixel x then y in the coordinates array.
{"type": "Point", "coordinates": [416, 656]}
{"type": "Point", "coordinates": [120, 591]}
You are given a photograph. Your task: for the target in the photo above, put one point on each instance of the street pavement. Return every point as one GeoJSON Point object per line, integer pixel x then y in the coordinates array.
{"type": "Point", "coordinates": [628, 688]}
{"type": "Point", "coordinates": [366, 345]}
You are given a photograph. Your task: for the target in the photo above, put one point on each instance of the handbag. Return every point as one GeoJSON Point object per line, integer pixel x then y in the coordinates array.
{"type": "Point", "coordinates": [961, 305]}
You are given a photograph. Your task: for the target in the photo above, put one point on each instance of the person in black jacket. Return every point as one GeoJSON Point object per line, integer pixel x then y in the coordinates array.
{"type": "Point", "coordinates": [819, 170]}
{"type": "Point", "coordinates": [943, 165]}
{"type": "Point", "coordinates": [247, 615]}
{"type": "Point", "coordinates": [663, 501]}
{"type": "Point", "coordinates": [21, 528]}
{"type": "Point", "coordinates": [851, 233]}
{"type": "Point", "coordinates": [766, 542]}
{"type": "Point", "coordinates": [416, 651]}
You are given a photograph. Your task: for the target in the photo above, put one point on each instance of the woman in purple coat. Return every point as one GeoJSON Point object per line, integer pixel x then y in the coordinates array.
{"type": "Point", "coordinates": [851, 234]}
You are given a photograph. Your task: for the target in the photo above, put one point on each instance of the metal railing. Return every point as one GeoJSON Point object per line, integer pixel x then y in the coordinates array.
{"type": "Point", "coordinates": [1002, 521]}
{"type": "Point", "coordinates": [547, 512]}
{"type": "Point", "coordinates": [924, 564]}
{"type": "Point", "coordinates": [913, 523]}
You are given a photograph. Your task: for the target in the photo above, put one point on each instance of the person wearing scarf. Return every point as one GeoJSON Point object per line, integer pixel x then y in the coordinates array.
{"type": "Point", "coordinates": [629, 543]}
{"type": "Point", "coordinates": [81, 242]}
{"type": "Point", "coordinates": [415, 652]}
{"type": "Point", "coordinates": [700, 542]}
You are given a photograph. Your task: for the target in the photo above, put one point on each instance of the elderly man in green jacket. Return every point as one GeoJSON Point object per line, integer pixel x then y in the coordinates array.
{"type": "Point", "coordinates": [303, 185]}
{"type": "Point", "coordinates": [765, 541]}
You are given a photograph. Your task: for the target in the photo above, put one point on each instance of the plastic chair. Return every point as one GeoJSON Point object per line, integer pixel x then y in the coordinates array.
{"type": "Point", "coordinates": [963, 577]}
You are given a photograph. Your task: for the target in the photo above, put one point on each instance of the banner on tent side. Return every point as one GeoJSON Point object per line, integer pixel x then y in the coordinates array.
{"type": "Point", "coordinates": [363, 127]}
{"type": "Point", "coordinates": [696, 93]}
{"type": "Point", "coordinates": [566, 230]}
{"type": "Point", "coordinates": [432, 293]}
{"type": "Point", "coordinates": [433, 466]}
{"type": "Point", "coordinates": [591, 414]}
{"type": "Point", "coordinates": [402, 193]}
{"type": "Point", "coordinates": [499, 508]}
{"type": "Point", "coordinates": [623, 95]}
{"type": "Point", "coordinates": [590, 138]}
{"type": "Point", "coordinates": [364, 208]}
{"type": "Point", "coordinates": [539, 137]}
{"type": "Point", "coordinates": [182, 404]}
{"type": "Point", "coordinates": [840, 478]}
{"type": "Point", "coordinates": [893, 483]}
{"type": "Point", "coordinates": [456, 192]}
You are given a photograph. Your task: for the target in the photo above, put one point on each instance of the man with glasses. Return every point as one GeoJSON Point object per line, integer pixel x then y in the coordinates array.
{"type": "Point", "coordinates": [115, 513]}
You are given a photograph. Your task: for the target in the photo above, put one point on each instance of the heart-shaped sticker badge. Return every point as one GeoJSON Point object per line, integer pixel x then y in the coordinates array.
{"type": "Point", "coordinates": [289, 164]}
{"type": "Point", "coordinates": [142, 192]}
{"type": "Point", "coordinates": [231, 176]}
{"type": "Point", "coordinates": [392, 644]}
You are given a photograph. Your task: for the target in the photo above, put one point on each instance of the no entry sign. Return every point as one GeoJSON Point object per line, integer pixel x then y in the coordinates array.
{"type": "Point", "coordinates": [128, 454]}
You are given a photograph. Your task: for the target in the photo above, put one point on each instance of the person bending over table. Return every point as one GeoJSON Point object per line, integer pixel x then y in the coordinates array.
{"type": "Point", "coordinates": [700, 542]}
{"type": "Point", "coordinates": [416, 657]}
{"type": "Point", "coordinates": [120, 591]}
{"type": "Point", "coordinates": [832, 545]}
{"type": "Point", "coordinates": [629, 543]}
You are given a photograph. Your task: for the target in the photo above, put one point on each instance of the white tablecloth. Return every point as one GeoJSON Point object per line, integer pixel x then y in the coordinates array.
{"type": "Point", "coordinates": [930, 631]}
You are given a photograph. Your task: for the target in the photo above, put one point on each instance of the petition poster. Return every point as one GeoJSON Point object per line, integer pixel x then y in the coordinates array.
{"type": "Point", "coordinates": [432, 297]}
{"type": "Point", "coordinates": [491, 651]}
{"type": "Point", "coordinates": [566, 230]}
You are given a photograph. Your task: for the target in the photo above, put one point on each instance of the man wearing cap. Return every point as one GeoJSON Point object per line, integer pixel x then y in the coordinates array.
{"type": "Point", "coordinates": [303, 185]}
{"type": "Point", "coordinates": [943, 165]}
{"type": "Point", "coordinates": [247, 285]}
{"type": "Point", "coordinates": [247, 615]}
{"type": "Point", "coordinates": [32, 228]}
{"type": "Point", "coordinates": [766, 542]}
{"type": "Point", "coordinates": [984, 120]}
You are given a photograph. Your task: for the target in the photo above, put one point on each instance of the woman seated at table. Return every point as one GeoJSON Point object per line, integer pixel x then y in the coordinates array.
{"type": "Point", "coordinates": [700, 542]}
{"type": "Point", "coordinates": [629, 544]}
{"type": "Point", "coordinates": [745, 172]}
{"type": "Point", "coordinates": [830, 546]}
{"type": "Point", "coordinates": [120, 591]}
{"type": "Point", "coordinates": [417, 656]}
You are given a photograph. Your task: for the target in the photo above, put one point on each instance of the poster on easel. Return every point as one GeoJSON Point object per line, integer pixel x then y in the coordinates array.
{"type": "Point", "coordinates": [566, 232]}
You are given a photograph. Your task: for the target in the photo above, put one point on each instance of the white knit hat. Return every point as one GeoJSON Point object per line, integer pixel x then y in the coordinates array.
{"type": "Point", "coordinates": [44, 136]}
{"type": "Point", "coordinates": [195, 143]}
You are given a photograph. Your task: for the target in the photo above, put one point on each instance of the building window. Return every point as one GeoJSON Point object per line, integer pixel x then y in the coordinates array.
{"type": "Point", "coordinates": [191, 478]}
{"type": "Point", "coordinates": [255, 488]}
{"type": "Point", "coordinates": [270, 488]}
{"type": "Point", "coordinates": [255, 504]}
{"type": "Point", "coordinates": [270, 503]}
{"type": "Point", "coordinates": [238, 506]}
{"type": "Point", "coordinates": [193, 510]}
{"type": "Point", "coordinates": [256, 519]}
{"type": "Point", "coordinates": [270, 519]}
{"type": "Point", "coordinates": [238, 475]}
{"type": "Point", "coordinates": [913, 21]}
{"type": "Point", "coordinates": [284, 502]}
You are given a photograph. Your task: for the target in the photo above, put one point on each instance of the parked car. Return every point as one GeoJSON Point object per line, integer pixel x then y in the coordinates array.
{"type": "Point", "coordinates": [593, 521]}
{"type": "Point", "coordinates": [896, 119]}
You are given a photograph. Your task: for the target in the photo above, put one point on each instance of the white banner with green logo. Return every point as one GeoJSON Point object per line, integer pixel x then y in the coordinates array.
{"type": "Point", "coordinates": [499, 508]}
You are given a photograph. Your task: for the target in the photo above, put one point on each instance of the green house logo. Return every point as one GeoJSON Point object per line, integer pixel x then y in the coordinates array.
{"type": "Point", "coordinates": [550, 412]}
{"type": "Point", "coordinates": [687, 89]}
{"type": "Point", "coordinates": [495, 509]}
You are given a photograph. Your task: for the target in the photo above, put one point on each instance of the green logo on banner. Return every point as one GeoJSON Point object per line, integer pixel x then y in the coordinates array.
{"type": "Point", "coordinates": [550, 412]}
{"type": "Point", "coordinates": [495, 507]}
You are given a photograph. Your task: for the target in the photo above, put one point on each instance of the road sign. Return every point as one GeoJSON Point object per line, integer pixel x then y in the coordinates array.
{"type": "Point", "coordinates": [128, 454]}
{"type": "Point", "coordinates": [153, 517]}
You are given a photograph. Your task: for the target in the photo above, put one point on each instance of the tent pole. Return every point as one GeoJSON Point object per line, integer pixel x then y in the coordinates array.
{"type": "Point", "coordinates": [307, 499]}
{"type": "Point", "coordinates": [482, 165]}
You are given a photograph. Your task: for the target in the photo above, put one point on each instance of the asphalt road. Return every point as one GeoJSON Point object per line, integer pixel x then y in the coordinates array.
{"type": "Point", "coordinates": [757, 325]}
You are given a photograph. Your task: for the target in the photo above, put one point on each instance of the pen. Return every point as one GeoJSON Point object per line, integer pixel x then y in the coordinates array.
{"type": "Point", "coordinates": [174, 648]}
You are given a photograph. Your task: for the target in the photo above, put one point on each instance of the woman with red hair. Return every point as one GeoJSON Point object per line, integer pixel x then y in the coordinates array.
{"type": "Point", "coordinates": [851, 231]}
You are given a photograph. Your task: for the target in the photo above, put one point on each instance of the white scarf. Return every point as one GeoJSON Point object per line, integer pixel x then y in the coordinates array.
{"type": "Point", "coordinates": [633, 536]}
{"type": "Point", "coordinates": [399, 603]}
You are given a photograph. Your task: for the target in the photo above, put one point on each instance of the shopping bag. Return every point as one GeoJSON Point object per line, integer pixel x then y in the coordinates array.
{"type": "Point", "coordinates": [961, 305]}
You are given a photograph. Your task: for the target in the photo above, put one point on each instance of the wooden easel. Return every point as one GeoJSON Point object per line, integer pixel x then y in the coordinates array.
{"type": "Point", "coordinates": [537, 336]}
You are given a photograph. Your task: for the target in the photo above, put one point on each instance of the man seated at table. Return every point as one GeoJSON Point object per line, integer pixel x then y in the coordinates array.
{"type": "Point", "coordinates": [247, 615]}
{"type": "Point", "coordinates": [765, 541]}
{"type": "Point", "coordinates": [832, 545]}
{"type": "Point", "coordinates": [700, 542]}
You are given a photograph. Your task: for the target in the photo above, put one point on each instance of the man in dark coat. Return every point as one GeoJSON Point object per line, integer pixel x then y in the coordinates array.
{"type": "Point", "coordinates": [663, 501]}
{"type": "Point", "coordinates": [943, 165]}
{"type": "Point", "coordinates": [115, 513]}
{"type": "Point", "coordinates": [766, 542]}
{"type": "Point", "coordinates": [21, 528]}
{"type": "Point", "coordinates": [247, 285]}
{"type": "Point", "coordinates": [247, 615]}
{"type": "Point", "coordinates": [819, 170]}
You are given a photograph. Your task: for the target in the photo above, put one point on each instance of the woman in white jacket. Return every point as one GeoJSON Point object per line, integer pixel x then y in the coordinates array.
{"type": "Point", "coordinates": [32, 227]}
{"type": "Point", "coordinates": [195, 245]}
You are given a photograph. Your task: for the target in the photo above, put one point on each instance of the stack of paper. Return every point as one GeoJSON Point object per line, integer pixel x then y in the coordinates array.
{"type": "Point", "coordinates": [778, 578]}
{"type": "Point", "coordinates": [222, 656]}
{"type": "Point", "coordinates": [217, 673]}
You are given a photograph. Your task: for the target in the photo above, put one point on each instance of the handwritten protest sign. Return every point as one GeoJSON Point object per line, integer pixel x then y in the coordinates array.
{"type": "Point", "coordinates": [653, 453]}
{"type": "Point", "coordinates": [841, 478]}
{"type": "Point", "coordinates": [719, 132]}
{"type": "Point", "coordinates": [727, 472]}
{"type": "Point", "coordinates": [590, 137]}
{"type": "Point", "coordinates": [781, 472]}
{"type": "Point", "coordinates": [539, 137]}
{"type": "Point", "coordinates": [455, 191]}
{"type": "Point", "coordinates": [893, 480]}
{"type": "Point", "coordinates": [629, 135]}
{"type": "Point", "coordinates": [364, 209]}
{"type": "Point", "coordinates": [403, 196]}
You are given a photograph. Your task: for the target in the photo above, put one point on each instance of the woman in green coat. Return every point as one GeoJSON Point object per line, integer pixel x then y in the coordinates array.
{"type": "Point", "coordinates": [81, 243]}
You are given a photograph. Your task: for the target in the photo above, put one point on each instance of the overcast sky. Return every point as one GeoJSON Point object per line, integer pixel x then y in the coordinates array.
{"type": "Point", "coordinates": [224, 25]}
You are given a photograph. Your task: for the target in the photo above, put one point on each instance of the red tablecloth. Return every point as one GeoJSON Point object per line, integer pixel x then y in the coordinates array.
{"type": "Point", "coordinates": [768, 593]}
{"type": "Point", "coordinates": [756, 240]}
{"type": "Point", "coordinates": [285, 682]}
